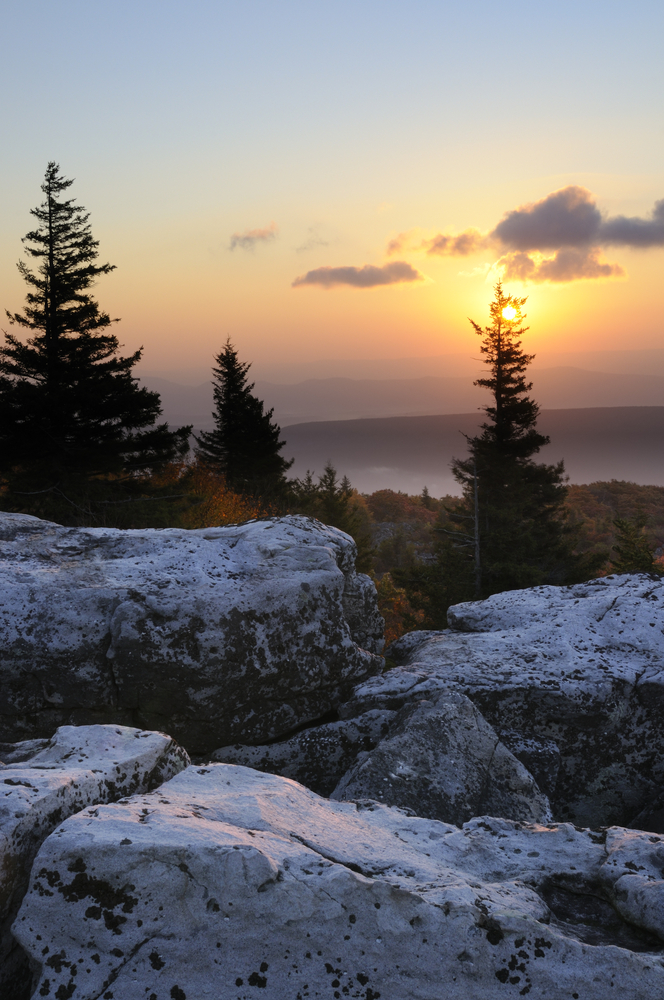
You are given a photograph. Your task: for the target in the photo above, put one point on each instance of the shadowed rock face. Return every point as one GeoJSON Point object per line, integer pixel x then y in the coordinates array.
{"type": "Point", "coordinates": [226, 880]}
{"type": "Point", "coordinates": [219, 635]}
{"type": "Point", "coordinates": [444, 761]}
{"type": "Point", "coordinates": [572, 676]}
{"type": "Point", "coordinates": [42, 782]}
{"type": "Point", "coordinates": [317, 757]}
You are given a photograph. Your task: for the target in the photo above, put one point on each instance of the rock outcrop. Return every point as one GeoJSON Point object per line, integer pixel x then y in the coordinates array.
{"type": "Point", "coordinates": [221, 635]}
{"type": "Point", "coordinates": [42, 782]}
{"type": "Point", "coordinates": [317, 757]}
{"type": "Point", "coordinates": [442, 760]}
{"type": "Point", "coordinates": [571, 679]}
{"type": "Point", "coordinates": [225, 882]}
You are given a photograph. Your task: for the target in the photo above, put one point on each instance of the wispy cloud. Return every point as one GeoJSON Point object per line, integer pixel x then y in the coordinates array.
{"type": "Point", "coordinates": [250, 237]}
{"type": "Point", "coordinates": [314, 240]}
{"type": "Point", "coordinates": [402, 241]}
{"type": "Point", "coordinates": [367, 276]}
{"type": "Point", "coordinates": [441, 245]}
{"type": "Point", "coordinates": [459, 245]}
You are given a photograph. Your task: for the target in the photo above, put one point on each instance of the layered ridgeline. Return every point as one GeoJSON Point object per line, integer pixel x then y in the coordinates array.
{"type": "Point", "coordinates": [430, 829]}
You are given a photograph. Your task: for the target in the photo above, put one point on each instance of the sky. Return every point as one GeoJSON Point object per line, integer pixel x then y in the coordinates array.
{"type": "Point", "coordinates": [346, 180]}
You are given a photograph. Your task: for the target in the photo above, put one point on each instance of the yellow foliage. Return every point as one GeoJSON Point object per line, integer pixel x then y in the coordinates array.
{"type": "Point", "coordinates": [395, 608]}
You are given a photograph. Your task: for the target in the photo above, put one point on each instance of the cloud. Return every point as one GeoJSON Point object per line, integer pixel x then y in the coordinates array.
{"type": "Point", "coordinates": [440, 245]}
{"type": "Point", "coordinates": [568, 264]}
{"type": "Point", "coordinates": [401, 242]}
{"type": "Point", "coordinates": [635, 232]}
{"type": "Point", "coordinates": [250, 237]}
{"type": "Point", "coordinates": [368, 276]}
{"type": "Point", "coordinates": [461, 245]}
{"type": "Point", "coordinates": [557, 239]}
{"type": "Point", "coordinates": [314, 240]}
{"type": "Point", "coordinates": [566, 218]}
{"type": "Point", "coordinates": [570, 218]}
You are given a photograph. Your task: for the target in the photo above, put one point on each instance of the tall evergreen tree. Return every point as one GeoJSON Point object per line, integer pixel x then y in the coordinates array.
{"type": "Point", "coordinates": [244, 445]}
{"type": "Point", "coordinates": [511, 524]}
{"type": "Point", "coordinates": [71, 414]}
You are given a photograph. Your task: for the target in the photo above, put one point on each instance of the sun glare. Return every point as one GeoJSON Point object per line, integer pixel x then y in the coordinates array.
{"type": "Point", "coordinates": [509, 312]}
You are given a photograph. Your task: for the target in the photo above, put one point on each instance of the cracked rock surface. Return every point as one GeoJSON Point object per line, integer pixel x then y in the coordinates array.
{"type": "Point", "coordinates": [317, 757]}
{"type": "Point", "coordinates": [226, 881]}
{"type": "Point", "coordinates": [43, 782]}
{"type": "Point", "coordinates": [571, 679]}
{"type": "Point", "coordinates": [219, 635]}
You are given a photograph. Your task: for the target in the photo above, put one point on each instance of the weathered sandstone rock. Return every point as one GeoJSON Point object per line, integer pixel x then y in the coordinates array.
{"type": "Point", "coordinates": [43, 782]}
{"type": "Point", "coordinates": [317, 757]}
{"type": "Point", "coordinates": [221, 635]}
{"type": "Point", "coordinates": [226, 882]}
{"type": "Point", "coordinates": [442, 760]}
{"type": "Point", "coordinates": [572, 676]}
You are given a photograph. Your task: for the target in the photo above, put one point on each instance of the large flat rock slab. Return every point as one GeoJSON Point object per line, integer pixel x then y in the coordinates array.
{"type": "Point", "coordinates": [220, 635]}
{"type": "Point", "coordinates": [46, 781]}
{"type": "Point", "coordinates": [226, 881]}
{"type": "Point", "coordinates": [573, 676]}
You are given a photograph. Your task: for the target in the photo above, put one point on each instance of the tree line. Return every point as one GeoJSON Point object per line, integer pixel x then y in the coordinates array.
{"type": "Point", "coordinates": [82, 441]}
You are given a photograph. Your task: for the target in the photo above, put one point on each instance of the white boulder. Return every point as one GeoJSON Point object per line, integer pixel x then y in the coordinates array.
{"type": "Point", "coordinates": [220, 635]}
{"type": "Point", "coordinates": [226, 881]}
{"type": "Point", "coordinates": [572, 676]}
{"type": "Point", "coordinates": [49, 780]}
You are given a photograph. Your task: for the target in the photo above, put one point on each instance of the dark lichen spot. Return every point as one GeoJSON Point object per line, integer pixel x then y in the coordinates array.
{"type": "Point", "coordinates": [156, 961]}
{"type": "Point", "coordinates": [256, 980]}
{"type": "Point", "coordinates": [502, 975]}
{"type": "Point", "coordinates": [177, 993]}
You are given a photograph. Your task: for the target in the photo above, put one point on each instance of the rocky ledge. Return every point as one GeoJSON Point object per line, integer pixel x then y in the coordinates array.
{"type": "Point", "coordinates": [566, 681]}
{"type": "Point", "coordinates": [222, 634]}
{"type": "Point", "coordinates": [225, 881]}
{"type": "Point", "coordinates": [42, 782]}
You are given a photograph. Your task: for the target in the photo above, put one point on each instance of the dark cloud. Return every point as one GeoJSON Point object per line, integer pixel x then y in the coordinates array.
{"type": "Point", "coordinates": [368, 276]}
{"type": "Point", "coordinates": [566, 218]}
{"type": "Point", "coordinates": [250, 237]}
{"type": "Point", "coordinates": [570, 218]}
{"type": "Point", "coordinates": [568, 264]}
{"type": "Point", "coordinates": [461, 245]}
{"type": "Point", "coordinates": [635, 232]}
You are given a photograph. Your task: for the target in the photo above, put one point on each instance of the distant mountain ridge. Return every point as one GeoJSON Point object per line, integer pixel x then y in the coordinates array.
{"type": "Point", "coordinates": [348, 399]}
{"type": "Point", "coordinates": [406, 453]}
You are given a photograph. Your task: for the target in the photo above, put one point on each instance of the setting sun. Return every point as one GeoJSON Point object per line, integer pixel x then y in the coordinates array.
{"type": "Point", "coordinates": [509, 312]}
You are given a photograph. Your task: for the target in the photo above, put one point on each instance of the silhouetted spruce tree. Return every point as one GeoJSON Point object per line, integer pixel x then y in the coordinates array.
{"type": "Point", "coordinates": [511, 524]}
{"type": "Point", "coordinates": [73, 421]}
{"type": "Point", "coordinates": [244, 445]}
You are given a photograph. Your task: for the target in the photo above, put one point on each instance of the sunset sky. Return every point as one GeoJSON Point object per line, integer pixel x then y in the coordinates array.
{"type": "Point", "coordinates": [346, 180]}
